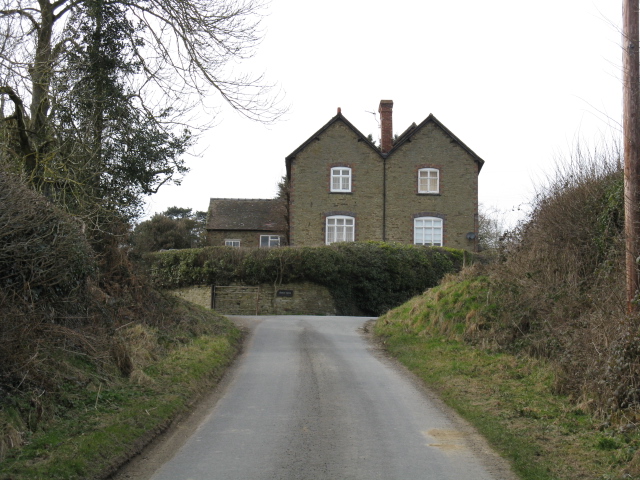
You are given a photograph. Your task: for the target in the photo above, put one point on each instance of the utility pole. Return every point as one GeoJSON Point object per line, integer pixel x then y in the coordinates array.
{"type": "Point", "coordinates": [631, 133]}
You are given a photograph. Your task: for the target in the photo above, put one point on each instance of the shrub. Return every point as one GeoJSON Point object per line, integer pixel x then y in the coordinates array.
{"type": "Point", "coordinates": [46, 265]}
{"type": "Point", "coordinates": [367, 278]}
{"type": "Point", "coordinates": [561, 283]}
{"type": "Point", "coordinates": [43, 251]}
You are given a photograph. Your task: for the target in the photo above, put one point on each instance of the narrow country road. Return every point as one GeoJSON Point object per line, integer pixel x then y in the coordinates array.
{"type": "Point", "coordinates": [311, 399]}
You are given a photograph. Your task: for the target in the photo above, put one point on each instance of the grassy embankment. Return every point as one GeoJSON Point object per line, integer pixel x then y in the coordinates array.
{"type": "Point", "coordinates": [511, 398]}
{"type": "Point", "coordinates": [99, 417]}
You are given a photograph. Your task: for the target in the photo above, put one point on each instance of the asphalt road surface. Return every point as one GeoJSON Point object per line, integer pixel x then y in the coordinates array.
{"type": "Point", "coordinates": [311, 398]}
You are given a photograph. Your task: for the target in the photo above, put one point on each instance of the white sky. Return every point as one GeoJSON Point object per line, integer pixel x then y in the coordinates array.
{"type": "Point", "coordinates": [518, 82]}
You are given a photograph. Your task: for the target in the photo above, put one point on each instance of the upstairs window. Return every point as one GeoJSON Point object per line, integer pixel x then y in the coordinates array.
{"type": "Point", "coordinates": [428, 180]}
{"type": "Point", "coordinates": [427, 231]}
{"type": "Point", "coordinates": [232, 243]}
{"type": "Point", "coordinates": [340, 229]}
{"type": "Point", "coordinates": [340, 179]}
{"type": "Point", "coordinates": [268, 241]}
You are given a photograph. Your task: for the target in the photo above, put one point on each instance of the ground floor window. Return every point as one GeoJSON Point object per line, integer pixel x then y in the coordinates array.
{"type": "Point", "coordinates": [340, 229]}
{"type": "Point", "coordinates": [232, 243]}
{"type": "Point", "coordinates": [269, 241]}
{"type": "Point", "coordinates": [427, 231]}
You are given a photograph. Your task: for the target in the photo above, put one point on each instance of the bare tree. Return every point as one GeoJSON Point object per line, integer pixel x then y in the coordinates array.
{"type": "Point", "coordinates": [492, 226]}
{"type": "Point", "coordinates": [183, 50]}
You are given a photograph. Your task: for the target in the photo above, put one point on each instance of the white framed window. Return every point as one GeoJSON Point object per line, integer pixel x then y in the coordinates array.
{"type": "Point", "coordinates": [340, 229]}
{"type": "Point", "coordinates": [232, 243]}
{"type": "Point", "coordinates": [427, 231]}
{"type": "Point", "coordinates": [340, 179]}
{"type": "Point", "coordinates": [268, 241]}
{"type": "Point", "coordinates": [428, 180]}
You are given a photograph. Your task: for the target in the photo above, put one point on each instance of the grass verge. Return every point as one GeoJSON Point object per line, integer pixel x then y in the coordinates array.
{"type": "Point", "coordinates": [99, 418]}
{"type": "Point", "coordinates": [511, 401]}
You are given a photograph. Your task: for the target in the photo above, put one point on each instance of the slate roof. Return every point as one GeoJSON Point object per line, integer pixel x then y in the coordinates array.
{"type": "Point", "coordinates": [245, 214]}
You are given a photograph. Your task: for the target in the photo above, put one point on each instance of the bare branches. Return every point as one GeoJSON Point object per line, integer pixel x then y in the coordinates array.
{"type": "Point", "coordinates": [20, 119]}
{"type": "Point", "coordinates": [40, 247]}
{"type": "Point", "coordinates": [102, 92]}
{"type": "Point", "coordinates": [186, 49]}
{"type": "Point", "coordinates": [192, 45]}
{"type": "Point", "coordinates": [19, 114]}
{"type": "Point", "coordinates": [23, 13]}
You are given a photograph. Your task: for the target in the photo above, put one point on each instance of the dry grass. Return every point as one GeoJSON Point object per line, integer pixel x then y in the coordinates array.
{"type": "Point", "coordinates": [513, 397]}
{"type": "Point", "coordinates": [556, 295]}
{"type": "Point", "coordinates": [561, 283]}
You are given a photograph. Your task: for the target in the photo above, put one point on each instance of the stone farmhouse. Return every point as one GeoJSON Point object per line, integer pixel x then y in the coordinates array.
{"type": "Point", "coordinates": [419, 188]}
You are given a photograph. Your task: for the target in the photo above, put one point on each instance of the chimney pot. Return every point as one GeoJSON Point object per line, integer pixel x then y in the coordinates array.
{"type": "Point", "coordinates": [339, 110]}
{"type": "Point", "coordinates": [386, 125]}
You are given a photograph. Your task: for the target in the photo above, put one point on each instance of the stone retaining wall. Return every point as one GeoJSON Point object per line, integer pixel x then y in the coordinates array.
{"type": "Point", "coordinates": [286, 299]}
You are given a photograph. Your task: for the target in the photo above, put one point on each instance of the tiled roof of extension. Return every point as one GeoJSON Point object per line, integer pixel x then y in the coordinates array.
{"type": "Point", "coordinates": [245, 214]}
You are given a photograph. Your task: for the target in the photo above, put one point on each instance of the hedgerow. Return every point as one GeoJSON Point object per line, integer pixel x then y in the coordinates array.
{"type": "Point", "coordinates": [367, 278]}
{"type": "Point", "coordinates": [43, 251]}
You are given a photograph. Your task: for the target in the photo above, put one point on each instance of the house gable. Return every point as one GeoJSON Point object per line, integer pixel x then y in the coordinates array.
{"type": "Point", "coordinates": [359, 137]}
{"type": "Point", "coordinates": [408, 135]}
{"type": "Point", "coordinates": [337, 145]}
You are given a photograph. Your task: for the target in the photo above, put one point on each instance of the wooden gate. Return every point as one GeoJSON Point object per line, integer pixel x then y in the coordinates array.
{"type": "Point", "coordinates": [236, 300]}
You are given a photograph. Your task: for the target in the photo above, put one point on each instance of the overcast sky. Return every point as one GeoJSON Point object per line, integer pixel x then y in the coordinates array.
{"type": "Point", "coordinates": [519, 82]}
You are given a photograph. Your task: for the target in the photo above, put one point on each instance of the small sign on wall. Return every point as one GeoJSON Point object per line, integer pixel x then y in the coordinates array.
{"type": "Point", "coordinates": [284, 293]}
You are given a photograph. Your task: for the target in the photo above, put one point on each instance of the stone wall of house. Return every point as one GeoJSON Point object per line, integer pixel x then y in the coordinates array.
{"type": "Point", "coordinates": [292, 299]}
{"type": "Point", "coordinates": [457, 201]}
{"type": "Point", "coordinates": [338, 145]}
{"type": "Point", "coordinates": [311, 197]}
{"type": "Point", "coordinates": [247, 238]}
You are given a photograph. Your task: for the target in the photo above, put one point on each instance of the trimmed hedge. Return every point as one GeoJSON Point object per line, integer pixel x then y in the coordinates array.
{"type": "Point", "coordinates": [368, 278]}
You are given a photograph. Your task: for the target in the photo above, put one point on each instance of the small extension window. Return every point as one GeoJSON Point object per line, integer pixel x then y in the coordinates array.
{"type": "Point", "coordinates": [268, 241]}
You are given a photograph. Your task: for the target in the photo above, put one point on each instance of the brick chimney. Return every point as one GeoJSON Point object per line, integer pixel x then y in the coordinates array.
{"type": "Point", "coordinates": [386, 125]}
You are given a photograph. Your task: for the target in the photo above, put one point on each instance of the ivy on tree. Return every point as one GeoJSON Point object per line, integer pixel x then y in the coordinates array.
{"type": "Point", "coordinates": [95, 93]}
